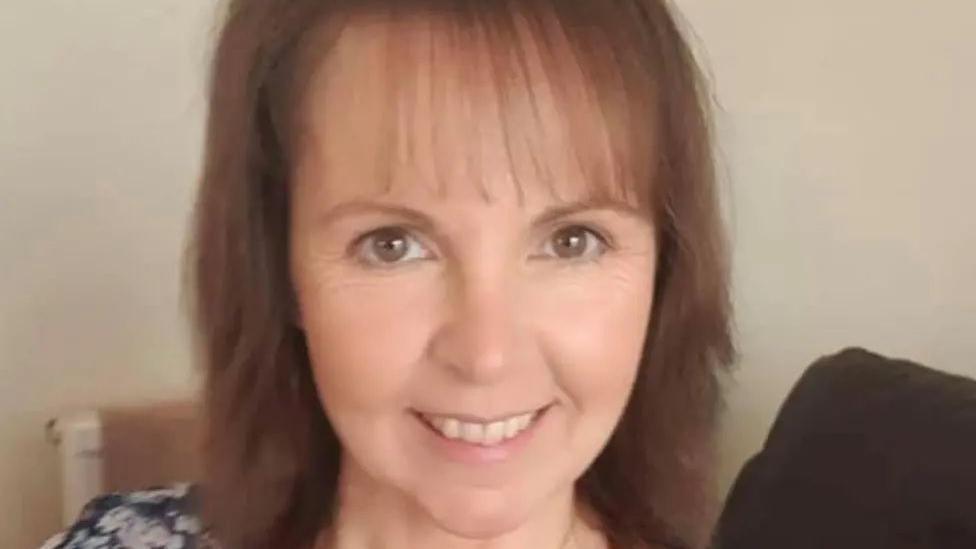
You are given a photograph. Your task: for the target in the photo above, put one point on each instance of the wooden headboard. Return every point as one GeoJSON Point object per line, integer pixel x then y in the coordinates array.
{"type": "Point", "coordinates": [151, 445]}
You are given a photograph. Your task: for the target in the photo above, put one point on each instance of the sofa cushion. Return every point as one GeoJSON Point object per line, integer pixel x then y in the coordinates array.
{"type": "Point", "coordinates": [867, 452]}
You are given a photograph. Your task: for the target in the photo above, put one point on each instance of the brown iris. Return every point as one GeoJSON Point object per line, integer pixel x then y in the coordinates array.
{"type": "Point", "coordinates": [389, 245]}
{"type": "Point", "coordinates": [571, 242]}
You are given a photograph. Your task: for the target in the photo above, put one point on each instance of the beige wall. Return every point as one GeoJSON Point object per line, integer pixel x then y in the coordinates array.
{"type": "Point", "coordinates": [847, 129]}
{"type": "Point", "coordinates": [100, 129]}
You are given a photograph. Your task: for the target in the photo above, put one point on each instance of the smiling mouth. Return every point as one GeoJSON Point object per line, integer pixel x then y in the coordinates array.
{"type": "Point", "coordinates": [481, 433]}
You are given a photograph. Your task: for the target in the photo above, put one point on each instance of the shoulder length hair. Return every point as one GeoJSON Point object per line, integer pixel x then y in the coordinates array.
{"type": "Point", "coordinates": [272, 457]}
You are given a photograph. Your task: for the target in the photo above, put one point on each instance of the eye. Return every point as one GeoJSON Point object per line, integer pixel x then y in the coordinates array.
{"type": "Point", "coordinates": [575, 243]}
{"type": "Point", "coordinates": [390, 246]}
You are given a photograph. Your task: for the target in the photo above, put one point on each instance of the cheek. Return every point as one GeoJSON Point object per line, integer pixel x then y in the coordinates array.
{"type": "Point", "coordinates": [365, 338]}
{"type": "Point", "coordinates": [594, 331]}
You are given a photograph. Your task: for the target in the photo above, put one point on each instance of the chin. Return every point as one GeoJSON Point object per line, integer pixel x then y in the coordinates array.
{"type": "Point", "coordinates": [477, 514]}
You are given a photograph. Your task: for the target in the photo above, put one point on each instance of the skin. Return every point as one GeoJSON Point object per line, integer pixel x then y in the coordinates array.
{"type": "Point", "coordinates": [486, 293]}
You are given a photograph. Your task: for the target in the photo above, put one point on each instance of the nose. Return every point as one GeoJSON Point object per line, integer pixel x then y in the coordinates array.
{"type": "Point", "coordinates": [477, 341]}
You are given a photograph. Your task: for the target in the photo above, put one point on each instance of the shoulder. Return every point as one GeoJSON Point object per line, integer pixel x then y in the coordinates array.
{"type": "Point", "coordinates": [163, 518]}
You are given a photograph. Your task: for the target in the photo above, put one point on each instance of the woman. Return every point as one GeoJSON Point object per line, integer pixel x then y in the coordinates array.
{"type": "Point", "coordinates": [460, 282]}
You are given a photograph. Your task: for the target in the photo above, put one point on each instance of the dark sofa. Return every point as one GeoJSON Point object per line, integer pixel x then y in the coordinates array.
{"type": "Point", "coordinates": [868, 453]}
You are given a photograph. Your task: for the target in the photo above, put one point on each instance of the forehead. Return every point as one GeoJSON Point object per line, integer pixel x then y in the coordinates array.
{"type": "Point", "coordinates": [435, 106]}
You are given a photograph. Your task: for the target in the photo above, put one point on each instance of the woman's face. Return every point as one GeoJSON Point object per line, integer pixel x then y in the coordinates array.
{"type": "Point", "coordinates": [474, 331]}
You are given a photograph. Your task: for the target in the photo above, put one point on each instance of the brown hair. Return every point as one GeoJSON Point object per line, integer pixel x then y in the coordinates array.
{"type": "Point", "coordinates": [273, 457]}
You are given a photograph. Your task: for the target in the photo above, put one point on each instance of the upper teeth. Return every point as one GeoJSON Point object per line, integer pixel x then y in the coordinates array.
{"type": "Point", "coordinates": [486, 434]}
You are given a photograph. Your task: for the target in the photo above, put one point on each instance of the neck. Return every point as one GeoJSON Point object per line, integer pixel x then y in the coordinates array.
{"type": "Point", "coordinates": [374, 516]}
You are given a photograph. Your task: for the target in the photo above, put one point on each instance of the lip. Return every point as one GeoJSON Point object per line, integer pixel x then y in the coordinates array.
{"type": "Point", "coordinates": [466, 453]}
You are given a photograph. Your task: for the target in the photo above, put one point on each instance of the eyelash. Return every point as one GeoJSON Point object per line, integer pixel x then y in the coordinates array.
{"type": "Point", "coordinates": [359, 247]}
{"type": "Point", "coordinates": [602, 241]}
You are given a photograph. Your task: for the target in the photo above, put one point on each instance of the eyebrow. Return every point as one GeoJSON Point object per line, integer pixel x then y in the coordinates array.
{"type": "Point", "coordinates": [555, 213]}
{"type": "Point", "coordinates": [547, 217]}
{"type": "Point", "coordinates": [360, 207]}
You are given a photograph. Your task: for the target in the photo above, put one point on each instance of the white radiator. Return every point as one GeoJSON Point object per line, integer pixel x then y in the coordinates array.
{"type": "Point", "coordinates": [79, 440]}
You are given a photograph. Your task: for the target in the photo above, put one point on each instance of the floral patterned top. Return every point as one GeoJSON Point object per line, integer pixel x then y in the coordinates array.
{"type": "Point", "coordinates": [153, 519]}
{"type": "Point", "coordinates": [162, 518]}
